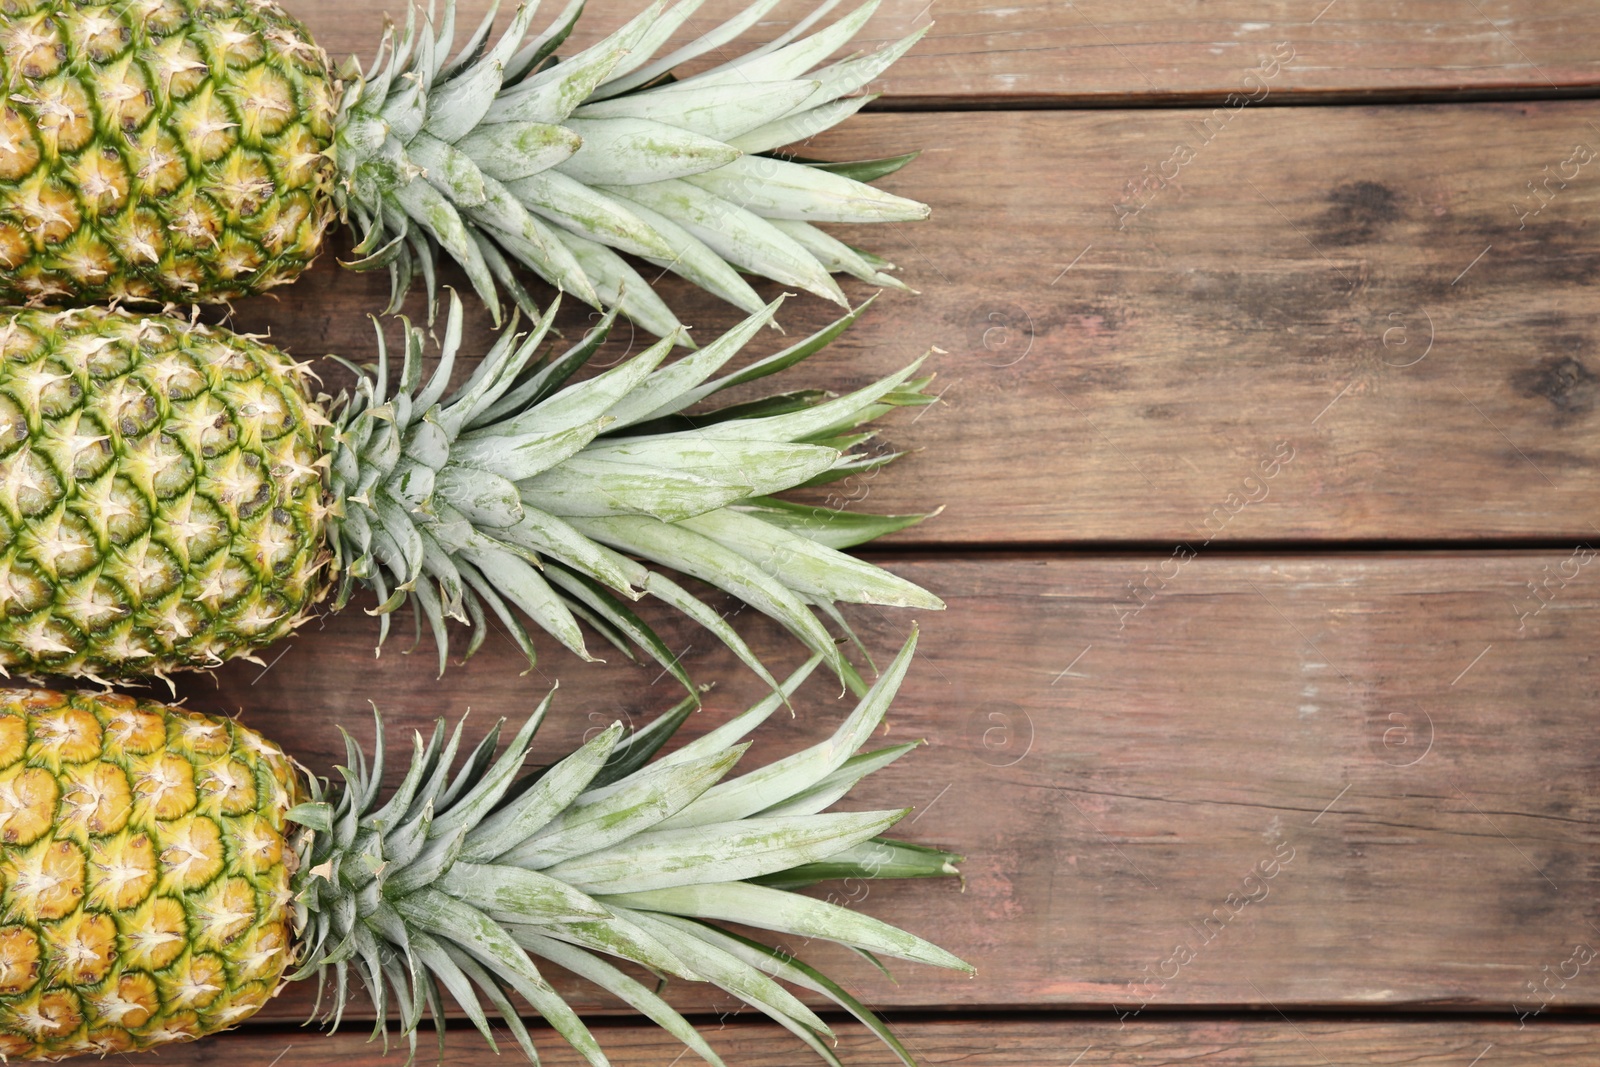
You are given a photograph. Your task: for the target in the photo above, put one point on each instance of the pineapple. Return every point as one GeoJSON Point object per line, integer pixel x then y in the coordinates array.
{"type": "Point", "coordinates": [166, 872]}
{"type": "Point", "coordinates": [171, 496]}
{"type": "Point", "coordinates": [148, 893]}
{"type": "Point", "coordinates": [197, 150]}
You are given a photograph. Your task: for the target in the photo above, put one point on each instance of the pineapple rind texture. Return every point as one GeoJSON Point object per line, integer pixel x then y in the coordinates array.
{"type": "Point", "coordinates": [146, 894]}
{"type": "Point", "coordinates": [161, 150]}
{"type": "Point", "coordinates": [160, 494]}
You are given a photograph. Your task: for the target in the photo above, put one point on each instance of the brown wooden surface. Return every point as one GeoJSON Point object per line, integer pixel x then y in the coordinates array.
{"type": "Point", "coordinates": [997, 1042]}
{"type": "Point", "coordinates": [1349, 280]}
{"type": "Point", "coordinates": [1269, 1042]}
{"type": "Point", "coordinates": [1100, 51]}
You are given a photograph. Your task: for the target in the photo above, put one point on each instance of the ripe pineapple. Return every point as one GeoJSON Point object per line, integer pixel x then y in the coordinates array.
{"type": "Point", "coordinates": [172, 497]}
{"type": "Point", "coordinates": [147, 885]}
{"type": "Point", "coordinates": [197, 150]}
{"type": "Point", "coordinates": [166, 872]}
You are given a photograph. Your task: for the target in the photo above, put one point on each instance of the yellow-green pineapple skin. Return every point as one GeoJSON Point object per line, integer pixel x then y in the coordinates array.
{"type": "Point", "coordinates": [146, 894]}
{"type": "Point", "coordinates": [160, 494]}
{"type": "Point", "coordinates": [168, 150]}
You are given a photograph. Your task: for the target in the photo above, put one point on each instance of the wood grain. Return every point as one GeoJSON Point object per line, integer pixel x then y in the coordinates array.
{"type": "Point", "coordinates": [1088, 53]}
{"type": "Point", "coordinates": [995, 1042]}
{"type": "Point", "coordinates": [1355, 282]}
{"type": "Point", "coordinates": [1121, 777]}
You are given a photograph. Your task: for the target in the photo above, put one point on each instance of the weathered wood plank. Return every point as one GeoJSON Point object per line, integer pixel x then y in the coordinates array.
{"type": "Point", "coordinates": [1299, 781]}
{"type": "Point", "coordinates": [998, 1041]}
{"type": "Point", "coordinates": [1352, 284]}
{"type": "Point", "coordinates": [1086, 53]}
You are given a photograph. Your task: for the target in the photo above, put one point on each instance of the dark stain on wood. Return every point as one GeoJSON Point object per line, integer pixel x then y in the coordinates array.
{"type": "Point", "coordinates": [1358, 212]}
{"type": "Point", "coordinates": [1565, 381]}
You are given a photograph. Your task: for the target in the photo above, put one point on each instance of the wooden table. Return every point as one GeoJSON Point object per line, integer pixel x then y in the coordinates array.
{"type": "Point", "coordinates": [1268, 449]}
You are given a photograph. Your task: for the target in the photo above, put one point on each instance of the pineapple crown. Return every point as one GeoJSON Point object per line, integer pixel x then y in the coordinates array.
{"type": "Point", "coordinates": [502, 155]}
{"type": "Point", "coordinates": [523, 490]}
{"type": "Point", "coordinates": [456, 882]}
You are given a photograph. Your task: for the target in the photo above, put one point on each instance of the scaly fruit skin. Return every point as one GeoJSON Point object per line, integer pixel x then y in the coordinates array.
{"type": "Point", "coordinates": [160, 499]}
{"type": "Point", "coordinates": [160, 149]}
{"type": "Point", "coordinates": [146, 890]}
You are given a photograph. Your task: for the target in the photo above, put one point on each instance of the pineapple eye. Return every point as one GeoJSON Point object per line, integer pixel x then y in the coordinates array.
{"type": "Point", "coordinates": [19, 151]}
{"type": "Point", "coordinates": [250, 506]}
{"type": "Point", "coordinates": [171, 469]}
{"type": "Point", "coordinates": [56, 392]}
{"type": "Point", "coordinates": [62, 112]}
{"type": "Point", "coordinates": [20, 344]}
{"type": "Point", "coordinates": [89, 446]}
{"type": "Point", "coordinates": [199, 533]}
{"type": "Point", "coordinates": [164, 17]}
{"type": "Point", "coordinates": [126, 513]}
{"type": "Point", "coordinates": [107, 359]}
{"type": "Point", "coordinates": [13, 742]}
{"type": "Point", "coordinates": [35, 49]}
{"type": "Point", "coordinates": [148, 571]}
{"type": "Point", "coordinates": [19, 960]}
{"type": "Point", "coordinates": [66, 548]}
{"type": "Point", "coordinates": [137, 412]}
{"type": "Point", "coordinates": [100, 37]}
{"type": "Point", "coordinates": [37, 485]}
{"type": "Point", "coordinates": [14, 247]}
{"type": "Point", "coordinates": [13, 425]}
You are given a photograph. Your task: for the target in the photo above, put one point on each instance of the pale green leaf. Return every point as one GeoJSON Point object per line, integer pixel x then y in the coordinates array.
{"type": "Point", "coordinates": [589, 212]}
{"type": "Point", "coordinates": [779, 781]}
{"type": "Point", "coordinates": [719, 852]}
{"type": "Point", "coordinates": [511, 150]}
{"type": "Point", "coordinates": [737, 234]}
{"type": "Point", "coordinates": [788, 913]}
{"type": "Point", "coordinates": [632, 151]}
{"type": "Point", "coordinates": [604, 817]}
{"type": "Point", "coordinates": [510, 894]}
{"type": "Point", "coordinates": [542, 801]}
{"type": "Point", "coordinates": [775, 188]}
{"type": "Point", "coordinates": [585, 965]}
{"type": "Point", "coordinates": [728, 972]}
{"type": "Point", "coordinates": [724, 112]}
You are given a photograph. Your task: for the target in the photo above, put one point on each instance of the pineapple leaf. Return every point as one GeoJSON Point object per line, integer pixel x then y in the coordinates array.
{"type": "Point", "coordinates": [719, 852]}
{"type": "Point", "coordinates": [542, 800]}
{"type": "Point", "coordinates": [863, 170]}
{"type": "Point", "coordinates": [797, 127]}
{"type": "Point", "coordinates": [635, 750]}
{"type": "Point", "coordinates": [780, 781]}
{"type": "Point", "coordinates": [518, 495]}
{"type": "Point", "coordinates": [727, 972]}
{"type": "Point", "coordinates": [582, 860]}
{"type": "Point", "coordinates": [619, 616]}
{"type": "Point", "coordinates": [830, 789]}
{"type": "Point", "coordinates": [788, 913]}
{"type": "Point", "coordinates": [796, 972]}
{"type": "Point", "coordinates": [878, 858]}
{"type": "Point", "coordinates": [606, 816]}
{"type": "Point", "coordinates": [586, 966]}
{"type": "Point", "coordinates": [517, 895]}
{"type": "Point", "coordinates": [644, 74]}
{"type": "Point", "coordinates": [826, 526]}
